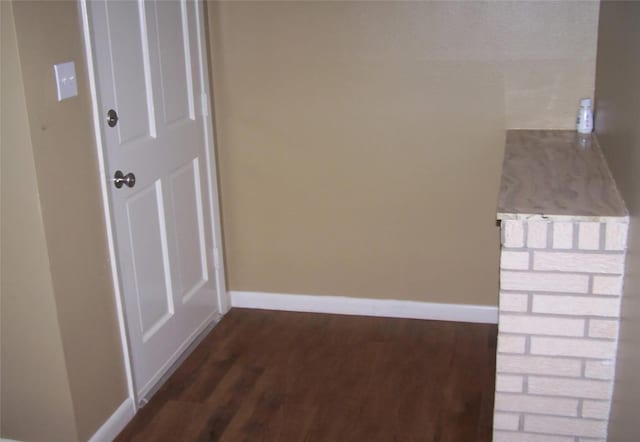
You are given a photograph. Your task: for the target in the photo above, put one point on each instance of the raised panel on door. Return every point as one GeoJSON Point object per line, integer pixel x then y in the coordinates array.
{"type": "Point", "coordinates": [130, 71]}
{"type": "Point", "coordinates": [190, 237]}
{"type": "Point", "coordinates": [176, 75]}
{"type": "Point", "coordinates": [150, 259]}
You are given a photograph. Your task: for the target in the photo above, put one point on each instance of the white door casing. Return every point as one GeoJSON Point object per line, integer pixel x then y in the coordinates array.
{"type": "Point", "coordinates": [149, 65]}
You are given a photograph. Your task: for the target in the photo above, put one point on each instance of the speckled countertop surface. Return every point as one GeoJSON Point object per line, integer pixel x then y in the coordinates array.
{"type": "Point", "coordinates": [558, 175]}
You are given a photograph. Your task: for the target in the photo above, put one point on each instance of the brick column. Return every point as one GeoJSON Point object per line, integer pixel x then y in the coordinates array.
{"type": "Point", "coordinates": [560, 287]}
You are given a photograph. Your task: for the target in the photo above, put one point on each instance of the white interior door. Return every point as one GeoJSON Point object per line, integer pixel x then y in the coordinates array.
{"type": "Point", "coordinates": [148, 58]}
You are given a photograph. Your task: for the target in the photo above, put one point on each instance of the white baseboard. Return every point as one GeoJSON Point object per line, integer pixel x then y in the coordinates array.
{"type": "Point", "coordinates": [390, 308]}
{"type": "Point", "coordinates": [116, 422]}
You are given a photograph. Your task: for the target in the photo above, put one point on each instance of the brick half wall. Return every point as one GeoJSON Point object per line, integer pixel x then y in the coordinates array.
{"type": "Point", "coordinates": [559, 309]}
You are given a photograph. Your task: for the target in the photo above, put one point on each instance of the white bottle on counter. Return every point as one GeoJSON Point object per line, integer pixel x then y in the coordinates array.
{"type": "Point", "coordinates": [584, 123]}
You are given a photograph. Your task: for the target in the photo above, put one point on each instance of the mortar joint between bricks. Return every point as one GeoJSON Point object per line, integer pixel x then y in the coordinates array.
{"type": "Point", "coordinates": [561, 272]}
{"type": "Point", "coordinates": [580, 404]}
{"type": "Point", "coordinates": [560, 316]}
{"type": "Point", "coordinates": [530, 267]}
{"type": "Point", "coordinates": [521, 422]}
{"type": "Point", "coordinates": [573, 250]}
{"type": "Point", "coordinates": [602, 239]}
{"type": "Point", "coordinates": [587, 323]}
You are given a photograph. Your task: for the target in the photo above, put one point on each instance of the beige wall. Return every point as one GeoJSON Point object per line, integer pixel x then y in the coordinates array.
{"type": "Point", "coordinates": [35, 401]}
{"type": "Point", "coordinates": [355, 138]}
{"type": "Point", "coordinates": [618, 129]}
{"type": "Point", "coordinates": [64, 155]}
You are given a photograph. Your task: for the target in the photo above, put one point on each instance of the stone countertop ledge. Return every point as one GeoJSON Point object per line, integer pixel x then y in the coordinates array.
{"type": "Point", "coordinates": [557, 175]}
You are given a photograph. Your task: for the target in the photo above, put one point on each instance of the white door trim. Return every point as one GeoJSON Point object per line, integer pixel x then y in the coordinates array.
{"type": "Point", "coordinates": [224, 300]}
{"type": "Point", "coordinates": [104, 191]}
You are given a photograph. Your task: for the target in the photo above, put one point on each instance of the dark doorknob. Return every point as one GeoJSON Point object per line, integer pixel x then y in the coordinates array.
{"type": "Point", "coordinates": [119, 179]}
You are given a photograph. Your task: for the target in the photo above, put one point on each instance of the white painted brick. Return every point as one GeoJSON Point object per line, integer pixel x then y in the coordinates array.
{"type": "Point", "coordinates": [536, 404]}
{"type": "Point", "coordinates": [537, 234]}
{"type": "Point", "coordinates": [580, 388]}
{"type": "Point", "coordinates": [509, 383]}
{"type": "Point", "coordinates": [514, 302]}
{"type": "Point", "coordinates": [507, 436]}
{"type": "Point", "coordinates": [599, 369]}
{"type": "Point", "coordinates": [544, 282]}
{"type": "Point", "coordinates": [562, 235]}
{"type": "Point", "coordinates": [511, 344]}
{"type": "Point", "coordinates": [616, 236]}
{"type": "Point", "coordinates": [589, 236]}
{"type": "Point", "coordinates": [513, 233]}
{"type": "Point", "coordinates": [607, 285]}
{"type": "Point", "coordinates": [587, 348]}
{"type": "Point", "coordinates": [595, 409]}
{"type": "Point", "coordinates": [576, 305]}
{"type": "Point", "coordinates": [506, 421]}
{"type": "Point", "coordinates": [603, 328]}
{"type": "Point", "coordinates": [538, 365]}
{"type": "Point", "coordinates": [566, 426]}
{"type": "Point", "coordinates": [540, 325]}
{"type": "Point", "coordinates": [514, 260]}
{"type": "Point", "coordinates": [578, 262]}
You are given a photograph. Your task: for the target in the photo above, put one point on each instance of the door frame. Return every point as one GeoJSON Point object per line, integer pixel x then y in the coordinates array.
{"type": "Point", "coordinates": [224, 300]}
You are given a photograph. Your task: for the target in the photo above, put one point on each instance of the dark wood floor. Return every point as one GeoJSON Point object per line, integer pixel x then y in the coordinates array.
{"type": "Point", "coordinates": [278, 376]}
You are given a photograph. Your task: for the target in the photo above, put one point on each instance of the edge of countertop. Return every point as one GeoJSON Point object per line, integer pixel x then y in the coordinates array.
{"type": "Point", "coordinates": [507, 216]}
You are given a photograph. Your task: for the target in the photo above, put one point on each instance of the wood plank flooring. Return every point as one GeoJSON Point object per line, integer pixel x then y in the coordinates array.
{"type": "Point", "coordinates": [282, 376]}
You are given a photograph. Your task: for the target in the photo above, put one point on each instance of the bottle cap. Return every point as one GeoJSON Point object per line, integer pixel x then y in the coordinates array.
{"type": "Point", "coordinates": [585, 102]}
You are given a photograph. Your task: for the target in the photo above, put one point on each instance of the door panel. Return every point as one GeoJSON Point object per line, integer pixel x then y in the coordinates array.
{"type": "Point", "coordinates": [176, 74]}
{"type": "Point", "coordinates": [128, 70]}
{"type": "Point", "coordinates": [148, 69]}
{"type": "Point", "coordinates": [187, 199]}
{"type": "Point", "coordinates": [150, 259]}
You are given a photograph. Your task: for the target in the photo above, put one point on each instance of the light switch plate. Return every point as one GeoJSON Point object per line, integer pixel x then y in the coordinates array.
{"type": "Point", "coordinates": [66, 81]}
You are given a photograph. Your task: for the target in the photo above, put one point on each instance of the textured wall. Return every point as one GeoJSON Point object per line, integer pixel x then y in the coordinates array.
{"type": "Point", "coordinates": [35, 401]}
{"type": "Point", "coordinates": [618, 129]}
{"type": "Point", "coordinates": [560, 288]}
{"type": "Point", "coordinates": [50, 32]}
{"type": "Point", "coordinates": [360, 143]}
